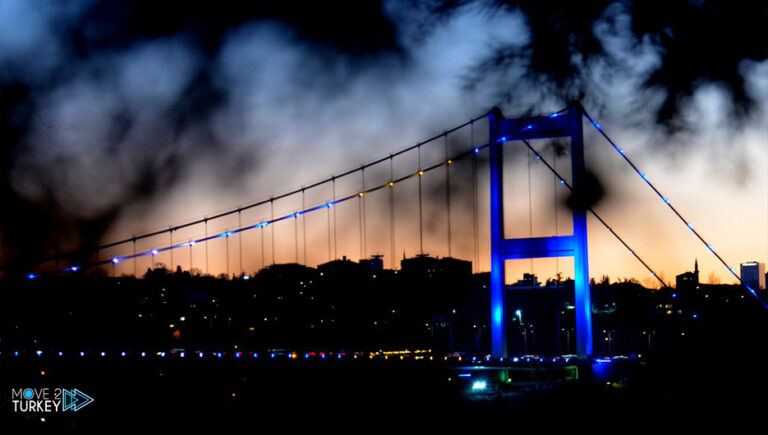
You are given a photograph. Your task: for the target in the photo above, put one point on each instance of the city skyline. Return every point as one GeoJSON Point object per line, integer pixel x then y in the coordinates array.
{"type": "Point", "coordinates": [120, 144]}
{"type": "Point", "coordinates": [304, 217]}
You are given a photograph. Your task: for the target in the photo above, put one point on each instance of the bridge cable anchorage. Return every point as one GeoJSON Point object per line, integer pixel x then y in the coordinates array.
{"type": "Point", "coordinates": [593, 212]}
{"type": "Point", "coordinates": [263, 224]}
{"type": "Point", "coordinates": [687, 223]}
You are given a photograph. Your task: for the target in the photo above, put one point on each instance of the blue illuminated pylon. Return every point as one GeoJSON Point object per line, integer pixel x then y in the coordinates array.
{"type": "Point", "coordinates": [567, 124]}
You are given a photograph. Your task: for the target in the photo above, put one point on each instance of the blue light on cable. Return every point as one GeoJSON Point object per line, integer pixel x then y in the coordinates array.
{"type": "Point", "coordinates": [115, 260]}
{"type": "Point", "coordinates": [31, 276]}
{"type": "Point", "coordinates": [688, 224]}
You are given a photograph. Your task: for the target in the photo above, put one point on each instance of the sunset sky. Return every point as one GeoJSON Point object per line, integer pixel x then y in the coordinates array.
{"type": "Point", "coordinates": [120, 119]}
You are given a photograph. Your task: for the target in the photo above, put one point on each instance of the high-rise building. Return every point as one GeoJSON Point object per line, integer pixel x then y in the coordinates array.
{"type": "Point", "coordinates": [753, 275]}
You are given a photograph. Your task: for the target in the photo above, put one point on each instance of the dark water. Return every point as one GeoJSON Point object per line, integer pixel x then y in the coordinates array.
{"type": "Point", "coordinates": [267, 396]}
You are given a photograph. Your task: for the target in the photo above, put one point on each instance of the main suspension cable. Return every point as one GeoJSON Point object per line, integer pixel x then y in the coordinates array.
{"type": "Point", "coordinates": [593, 212]}
{"type": "Point", "coordinates": [687, 223]}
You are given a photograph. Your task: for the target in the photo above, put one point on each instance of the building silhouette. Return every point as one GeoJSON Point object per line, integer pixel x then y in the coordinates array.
{"type": "Point", "coordinates": [424, 267]}
{"type": "Point", "coordinates": [753, 274]}
{"type": "Point", "coordinates": [688, 280]}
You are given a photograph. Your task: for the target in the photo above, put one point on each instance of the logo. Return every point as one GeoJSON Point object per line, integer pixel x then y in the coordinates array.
{"type": "Point", "coordinates": [75, 399]}
{"type": "Point", "coordinates": [30, 400]}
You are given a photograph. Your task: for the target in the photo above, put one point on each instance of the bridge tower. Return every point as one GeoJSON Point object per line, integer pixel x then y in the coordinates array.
{"type": "Point", "coordinates": [567, 124]}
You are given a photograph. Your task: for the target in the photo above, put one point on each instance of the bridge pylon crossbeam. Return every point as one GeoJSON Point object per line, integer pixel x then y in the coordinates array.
{"type": "Point", "coordinates": [567, 124]}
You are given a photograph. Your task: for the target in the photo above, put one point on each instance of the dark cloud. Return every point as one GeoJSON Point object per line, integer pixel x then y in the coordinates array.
{"type": "Point", "coordinates": [696, 41]}
{"type": "Point", "coordinates": [113, 110]}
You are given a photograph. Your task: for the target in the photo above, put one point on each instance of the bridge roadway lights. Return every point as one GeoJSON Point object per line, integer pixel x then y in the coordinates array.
{"type": "Point", "coordinates": [566, 125]}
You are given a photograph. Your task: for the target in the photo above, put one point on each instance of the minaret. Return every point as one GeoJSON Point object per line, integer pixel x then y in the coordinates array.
{"type": "Point", "coordinates": [696, 270]}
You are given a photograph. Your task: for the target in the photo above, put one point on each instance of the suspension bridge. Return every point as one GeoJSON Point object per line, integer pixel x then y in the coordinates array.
{"type": "Point", "coordinates": [428, 197]}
